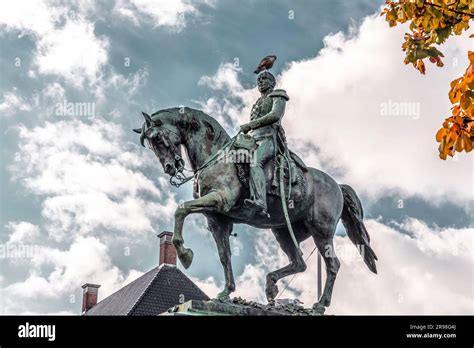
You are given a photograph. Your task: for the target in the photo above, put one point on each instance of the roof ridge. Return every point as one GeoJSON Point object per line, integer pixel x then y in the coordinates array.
{"type": "Point", "coordinates": [160, 267]}
{"type": "Point", "coordinates": [122, 288]}
{"type": "Point", "coordinates": [192, 282]}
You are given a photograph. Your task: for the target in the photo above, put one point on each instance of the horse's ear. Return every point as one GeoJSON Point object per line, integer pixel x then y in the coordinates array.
{"type": "Point", "coordinates": [137, 130]}
{"type": "Point", "coordinates": [148, 119]}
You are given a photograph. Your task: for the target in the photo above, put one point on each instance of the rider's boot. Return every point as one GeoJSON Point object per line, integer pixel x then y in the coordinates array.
{"type": "Point", "coordinates": [258, 190]}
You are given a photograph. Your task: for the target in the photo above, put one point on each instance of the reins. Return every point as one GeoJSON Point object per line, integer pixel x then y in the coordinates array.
{"type": "Point", "coordinates": [182, 179]}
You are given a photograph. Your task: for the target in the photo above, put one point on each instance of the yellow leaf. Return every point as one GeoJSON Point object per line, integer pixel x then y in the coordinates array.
{"type": "Point", "coordinates": [467, 143]}
{"type": "Point", "coordinates": [452, 138]}
{"type": "Point", "coordinates": [459, 144]}
{"type": "Point", "coordinates": [420, 65]}
{"type": "Point", "coordinates": [456, 110]}
{"type": "Point", "coordinates": [455, 82]}
{"type": "Point", "coordinates": [454, 96]}
{"type": "Point", "coordinates": [440, 135]}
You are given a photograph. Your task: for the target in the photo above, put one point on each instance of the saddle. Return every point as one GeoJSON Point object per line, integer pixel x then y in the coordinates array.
{"type": "Point", "coordinates": [298, 169]}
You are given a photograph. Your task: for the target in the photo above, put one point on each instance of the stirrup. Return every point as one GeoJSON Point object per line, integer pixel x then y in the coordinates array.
{"type": "Point", "coordinates": [262, 210]}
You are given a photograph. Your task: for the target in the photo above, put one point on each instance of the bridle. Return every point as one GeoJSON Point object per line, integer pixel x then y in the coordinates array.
{"type": "Point", "coordinates": [178, 178]}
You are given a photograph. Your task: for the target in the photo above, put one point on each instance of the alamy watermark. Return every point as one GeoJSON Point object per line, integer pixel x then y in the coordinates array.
{"type": "Point", "coordinates": [393, 108]}
{"type": "Point", "coordinates": [237, 156]}
{"type": "Point", "coordinates": [28, 330]}
{"type": "Point", "coordinates": [18, 251]}
{"type": "Point", "coordinates": [345, 252]}
{"type": "Point", "coordinates": [76, 109]}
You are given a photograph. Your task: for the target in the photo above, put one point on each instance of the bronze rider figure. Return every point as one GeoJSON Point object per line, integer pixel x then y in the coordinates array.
{"type": "Point", "coordinates": [264, 126]}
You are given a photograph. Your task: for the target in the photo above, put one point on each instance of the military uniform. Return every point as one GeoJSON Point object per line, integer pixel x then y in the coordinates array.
{"type": "Point", "coordinates": [265, 122]}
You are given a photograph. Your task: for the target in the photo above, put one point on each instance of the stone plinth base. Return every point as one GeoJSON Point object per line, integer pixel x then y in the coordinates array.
{"type": "Point", "coordinates": [237, 307]}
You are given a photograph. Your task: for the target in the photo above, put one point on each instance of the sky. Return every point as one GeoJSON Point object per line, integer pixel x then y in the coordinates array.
{"type": "Point", "coordinates": [82, 201]}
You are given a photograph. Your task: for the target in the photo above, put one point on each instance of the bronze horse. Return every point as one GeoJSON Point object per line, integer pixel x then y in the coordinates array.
{"type": "Point", "coordinates": [218, 194]}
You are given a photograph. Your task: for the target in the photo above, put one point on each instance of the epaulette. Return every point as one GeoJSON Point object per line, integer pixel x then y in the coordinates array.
{"type": "Point", "coordinates": [279, 93]}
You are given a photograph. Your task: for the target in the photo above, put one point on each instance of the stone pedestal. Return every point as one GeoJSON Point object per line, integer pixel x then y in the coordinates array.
{"type": "Point", "coordinates": [237, 307]}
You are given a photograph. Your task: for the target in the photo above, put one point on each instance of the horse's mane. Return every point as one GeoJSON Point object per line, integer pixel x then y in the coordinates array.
{"type": "Point", "coordinates": [192, 120]}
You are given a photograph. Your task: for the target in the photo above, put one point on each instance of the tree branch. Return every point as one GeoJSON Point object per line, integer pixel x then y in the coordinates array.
{"type": "Point", "coordinates": [451, 10]}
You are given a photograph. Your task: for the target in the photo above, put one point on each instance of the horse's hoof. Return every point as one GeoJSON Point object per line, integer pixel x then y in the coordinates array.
{"type": "Point", "coordinates": [223, 296]}
{"type": "Point", "coordinates": [186, 258]}
{"type": "Point", "coordinates": [319, 308]}
{"type": "Point", "coordinates": [271, 291]}
{"type": "Point", "coordinates": [271, 304]}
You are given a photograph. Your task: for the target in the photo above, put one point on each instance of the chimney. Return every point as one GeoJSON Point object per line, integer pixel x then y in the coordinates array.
{"type": "Point", "coordinates": [167, 249]}
{"type": "Point", "coordinates": [89, 296]}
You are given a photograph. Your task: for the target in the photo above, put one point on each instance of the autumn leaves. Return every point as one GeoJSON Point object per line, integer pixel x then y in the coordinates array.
{"type": "Point", "coordinates": [432, 22]}
{"type": "Point", "coordinates": [457, 133]}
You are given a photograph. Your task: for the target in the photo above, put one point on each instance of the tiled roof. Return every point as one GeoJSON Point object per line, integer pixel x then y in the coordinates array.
{"type": "Point", "coordinates": [151, 294]}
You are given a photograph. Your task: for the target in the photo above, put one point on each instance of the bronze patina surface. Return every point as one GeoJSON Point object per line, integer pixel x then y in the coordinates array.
{"type": "Point", "coordinates": [279, 185]}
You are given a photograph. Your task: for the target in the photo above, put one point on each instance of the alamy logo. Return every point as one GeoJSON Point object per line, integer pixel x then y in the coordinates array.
{"type": "Point", "coordinates": [37, 331]}
{"type": "Point", "coordinates": [401, 109]}
{"type": "Point", "coordinates": [75, 109]}
{"type": "Point", "coordinates": [237, 156]}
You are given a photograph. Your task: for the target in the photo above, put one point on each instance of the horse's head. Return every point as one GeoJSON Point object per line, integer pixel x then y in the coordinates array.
{"type": "Point", "coordinates": [165, 142]}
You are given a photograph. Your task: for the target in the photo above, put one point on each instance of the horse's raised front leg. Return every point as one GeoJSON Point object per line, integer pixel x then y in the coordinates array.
{"type": "Point", "coordinates": [221, 230]}
{"type": "Point", "coordinates": [207, 203]}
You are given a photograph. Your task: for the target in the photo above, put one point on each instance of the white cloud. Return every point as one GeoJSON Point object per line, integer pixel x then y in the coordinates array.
{"type": "Point", "coordinates": [54, 91]}
{"type": "Point", "coordinates": [336, 102]}
{"type": "Point", "coordinates": [89, 178]}
{"type": "Point", "coordinates": [342, 98]}
{"type": "Point", "coordinates": [425, 271]}
{"type": "Point", "coordinates": [126, 10]}
{"type": "Point", "coordinates": [22, 232]}
{"type": "Point", "coordinates": [27, 16]}
{"type": "Point", "coordinates": [86, 260]}
{"type": "Point", "coordinates": [209, 285]}
{"type": "Point", "coordinates": [234, 105]}
{"type": "Point", "coordinates": [163, 13]}
{"type": "Point", "coordinates": [73, 52]}
{"type": "Point", "coordinates": [118, 83]}
{"type": "Point", "coordinates": [67, 47]}
{"type": "Point", "coordinates": [225, 78]}
{"type": "Point", "coordinates": [94, 197]}
{"type": "Point", "coordinates": [416, 274]}
{"type": "Point", "coordinates": [66, 44]}
{"type": "Point", "coordinates": [12, 103]}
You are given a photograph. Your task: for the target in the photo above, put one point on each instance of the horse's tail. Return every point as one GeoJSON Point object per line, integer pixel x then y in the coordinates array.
{"type": "Point", "coordinates": [352, 215]}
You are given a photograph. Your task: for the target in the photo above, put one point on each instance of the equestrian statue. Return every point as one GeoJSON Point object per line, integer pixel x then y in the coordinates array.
{"type": "Point", "coordinates": [254, 179]}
